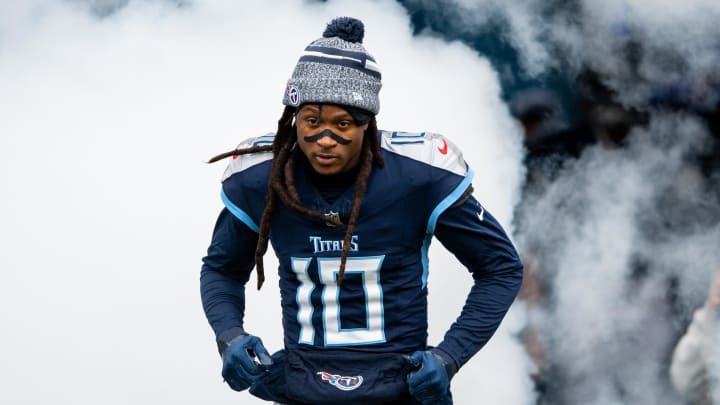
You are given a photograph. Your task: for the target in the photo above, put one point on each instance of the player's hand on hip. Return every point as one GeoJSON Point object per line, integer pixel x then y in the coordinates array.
{"type": "Point", "coordinates": [430, 382]}
{"type": "Point", "coordinates": [245, 359]}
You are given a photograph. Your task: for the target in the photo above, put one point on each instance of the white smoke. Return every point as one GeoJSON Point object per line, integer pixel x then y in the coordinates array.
{"type": "Point", "coordinates": [714, 366]}
{"type": "Point", "coordinates": [677, 40]}
{"type": "Point", "coordinates": [617, 230]}
{"type": "Point", "coordinates": [107, 111]}
{"type": "Point", "coordinates": [611, 329]}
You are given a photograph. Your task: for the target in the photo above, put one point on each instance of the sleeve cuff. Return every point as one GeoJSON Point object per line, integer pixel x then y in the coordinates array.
{"type": "Point", "coordinates": [450, 364]}
{"type": "Point", "coordinates": [224, 339]}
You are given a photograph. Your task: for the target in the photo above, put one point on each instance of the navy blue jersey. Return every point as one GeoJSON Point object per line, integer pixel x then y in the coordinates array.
{"type": "Point", "coordinates": [381, 307]}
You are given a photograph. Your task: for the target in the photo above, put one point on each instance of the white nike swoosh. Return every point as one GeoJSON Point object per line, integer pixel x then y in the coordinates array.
{"type": "Point", "coordinates": [481, 214]}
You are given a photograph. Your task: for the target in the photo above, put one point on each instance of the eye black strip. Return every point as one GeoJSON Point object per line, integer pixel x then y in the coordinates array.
{"type": "Point", "coordinates": [331, 134]}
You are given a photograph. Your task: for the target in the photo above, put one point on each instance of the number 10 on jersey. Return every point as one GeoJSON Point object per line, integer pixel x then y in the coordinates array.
{"type": "Point", "coordinates": [333, 333]}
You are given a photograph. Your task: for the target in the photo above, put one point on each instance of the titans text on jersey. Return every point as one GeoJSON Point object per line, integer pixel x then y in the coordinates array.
{"type": "Point", "coordinates": [320, 245]}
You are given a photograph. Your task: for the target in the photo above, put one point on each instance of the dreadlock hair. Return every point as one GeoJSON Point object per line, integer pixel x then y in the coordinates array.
{"type": "Point", "coordinates": [281, 185]}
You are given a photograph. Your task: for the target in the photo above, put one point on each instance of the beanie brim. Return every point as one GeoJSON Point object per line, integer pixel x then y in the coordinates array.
{"type": "Point", "coordinates": [360, 94]}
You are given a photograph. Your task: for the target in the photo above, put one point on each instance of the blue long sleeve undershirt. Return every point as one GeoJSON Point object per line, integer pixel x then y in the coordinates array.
{"type": "Point", "coordinates": [483, 247]}
{"type": "Point", "coordinates": [225, 270]}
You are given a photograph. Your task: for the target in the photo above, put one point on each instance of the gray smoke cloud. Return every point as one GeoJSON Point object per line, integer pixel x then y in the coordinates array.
{"type": "Point", "coordinates": [624, 241]}
{"type": "Point", "coordinates": [668, 41]}
{"type": "Point", "coordinates": [633, 43]}
{"type": "Point", "coordinates": [108, 110]}
{"type": "Point", "coordinates": [608, 234]}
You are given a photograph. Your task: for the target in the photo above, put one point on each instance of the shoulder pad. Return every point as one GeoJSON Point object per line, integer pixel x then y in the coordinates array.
{"type": "Point", "coordinates": [427, 147]}
{"type": "Point", "coordinates": [242, 162]}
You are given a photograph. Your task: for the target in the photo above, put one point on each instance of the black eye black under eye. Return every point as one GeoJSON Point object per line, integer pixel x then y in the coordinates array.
{"type": "Point", "coordinates": [331, 134]}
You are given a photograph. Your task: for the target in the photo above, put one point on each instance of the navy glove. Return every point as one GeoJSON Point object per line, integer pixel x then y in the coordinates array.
{"type": "Point", "coordinates": [240, 367]}
{"type": "Point", "coordinates": [430, 383]}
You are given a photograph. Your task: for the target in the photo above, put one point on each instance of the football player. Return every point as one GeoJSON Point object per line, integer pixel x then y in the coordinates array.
{"type": "Point", "coordinates": [350, 211]}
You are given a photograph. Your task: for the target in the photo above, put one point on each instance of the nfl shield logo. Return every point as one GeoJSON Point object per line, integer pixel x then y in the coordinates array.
{"type": "Point", "coordinates": [332, 215]}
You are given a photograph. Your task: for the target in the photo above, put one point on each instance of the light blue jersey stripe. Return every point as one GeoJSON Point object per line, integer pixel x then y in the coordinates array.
{"type": "Point", "coordinates": [439, 209]}
{"type": "Point", "coordinates": [425, 259]}
{"type": "Point", "coordinates": [239, 213]}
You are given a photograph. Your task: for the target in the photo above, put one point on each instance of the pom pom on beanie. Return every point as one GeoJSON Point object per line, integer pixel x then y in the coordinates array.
{"type": "Point", "coordinates": [346, 28]}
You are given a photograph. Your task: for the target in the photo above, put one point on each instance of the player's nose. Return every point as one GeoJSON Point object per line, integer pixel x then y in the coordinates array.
{"type": "Point", "coordinates": [326, 142]}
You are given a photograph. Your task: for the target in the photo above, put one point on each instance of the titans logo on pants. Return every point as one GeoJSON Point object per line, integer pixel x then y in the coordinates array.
{"type": "Point", "coordinates": [341, 382]}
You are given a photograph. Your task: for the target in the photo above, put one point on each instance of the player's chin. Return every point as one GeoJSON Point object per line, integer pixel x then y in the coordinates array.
{"type": "Point", "coordinates": [327, 166]}
{"type": "Point", "coordinates": [327, 170]}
